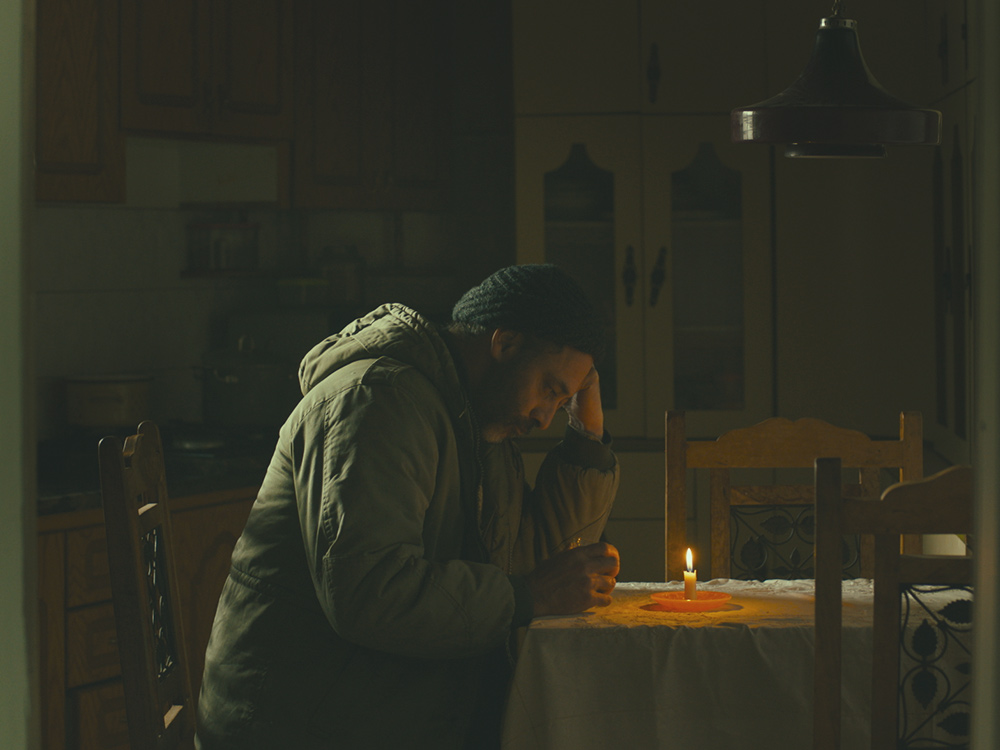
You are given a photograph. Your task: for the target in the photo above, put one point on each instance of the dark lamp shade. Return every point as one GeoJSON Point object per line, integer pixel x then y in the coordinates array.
{"type": "Point", "coordinates": [836, 108]}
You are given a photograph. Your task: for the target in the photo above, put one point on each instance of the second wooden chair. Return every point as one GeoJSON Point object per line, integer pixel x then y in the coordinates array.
{"type": "Point", "coordinates": [927, 704]}
{"type": "Point", "coordinates": [773, 444]}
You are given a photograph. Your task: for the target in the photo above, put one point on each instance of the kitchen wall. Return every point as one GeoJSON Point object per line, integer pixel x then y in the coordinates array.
{"type": "Point", "coordinates": [111, 296]}
{"type": "Point", "coordinates": [110, 299]}
{"type": "Point", "coordinates": [108, 280]}
{"type": "Point", "coordinates": [18, 658]}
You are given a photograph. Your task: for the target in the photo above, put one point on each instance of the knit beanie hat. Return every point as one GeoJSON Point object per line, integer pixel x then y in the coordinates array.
{"type": "Point", "coordinates": [541, 300]}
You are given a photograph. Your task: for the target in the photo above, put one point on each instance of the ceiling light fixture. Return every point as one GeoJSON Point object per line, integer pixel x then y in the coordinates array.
{"type": "Point", "coordinates": [836, 108]}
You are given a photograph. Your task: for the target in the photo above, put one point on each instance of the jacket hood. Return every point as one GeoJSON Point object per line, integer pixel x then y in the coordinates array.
{"type": "Point", "coordinates": [393, 331]}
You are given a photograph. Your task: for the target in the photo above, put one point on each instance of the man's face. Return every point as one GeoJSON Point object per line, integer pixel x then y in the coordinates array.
{"type": "Point", "coordinates": [525, 386]}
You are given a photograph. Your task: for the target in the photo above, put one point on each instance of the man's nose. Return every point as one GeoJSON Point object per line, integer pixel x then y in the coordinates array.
{"type": "Point", "coordinates": [543, 415]}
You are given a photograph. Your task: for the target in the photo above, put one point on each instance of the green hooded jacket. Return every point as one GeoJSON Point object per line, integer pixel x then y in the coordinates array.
{"type": "Point", "coordinates": [383, 561]}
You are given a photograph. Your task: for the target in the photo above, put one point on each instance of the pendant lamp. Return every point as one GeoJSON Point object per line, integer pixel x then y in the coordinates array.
{"type": "Point", "coordinates": [836, 108]}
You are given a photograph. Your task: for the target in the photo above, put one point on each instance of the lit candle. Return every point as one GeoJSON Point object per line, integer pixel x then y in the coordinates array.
{"type": "Point", "coordinates": [690, 577]}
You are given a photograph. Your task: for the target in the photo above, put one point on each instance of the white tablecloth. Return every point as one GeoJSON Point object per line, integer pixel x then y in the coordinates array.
{"type": "Point", "coordinates": [631, 676]}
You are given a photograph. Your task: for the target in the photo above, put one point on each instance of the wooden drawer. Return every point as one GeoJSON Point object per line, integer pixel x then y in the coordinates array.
{"type": "Point", "coordinates": [87, 578]}
{"type": "Point", "coordinates": [97, 718]}
{"type": "Point", "coordinates": [82, 703]}
{"type": "Point", "coordinates": [91, 645]}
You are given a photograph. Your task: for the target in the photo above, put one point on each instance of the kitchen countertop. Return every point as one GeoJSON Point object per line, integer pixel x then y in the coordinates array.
{"type": "Point", "coordinates": [68, 478]}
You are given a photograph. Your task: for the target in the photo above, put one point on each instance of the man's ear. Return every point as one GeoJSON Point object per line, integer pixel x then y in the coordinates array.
{"type": "Point", "coordinates": [505, 343]}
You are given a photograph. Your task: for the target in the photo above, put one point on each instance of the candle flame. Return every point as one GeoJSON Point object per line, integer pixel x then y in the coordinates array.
{"type": "Point", "coordinates": [690, 562]}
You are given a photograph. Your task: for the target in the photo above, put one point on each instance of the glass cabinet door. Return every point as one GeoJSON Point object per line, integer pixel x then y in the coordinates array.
{"type": "Point", "coordinates": [706, 203]}
{"type": "Point", "coordinates": [578, 206]}
{"type": "Point", "coordinates": [666, 224]}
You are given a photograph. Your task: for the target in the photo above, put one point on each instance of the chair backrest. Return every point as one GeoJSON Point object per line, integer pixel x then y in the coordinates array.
{"type": "Point", "coordinates": [158, 701]}
{"type": "Point", "coordinates": [774, 444]}
{"type": "Point", "coordinates": [938, 504]}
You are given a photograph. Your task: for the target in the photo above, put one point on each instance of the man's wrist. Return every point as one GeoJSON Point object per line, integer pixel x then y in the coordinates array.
{"type": "Point", "coordinates": [594, 432]}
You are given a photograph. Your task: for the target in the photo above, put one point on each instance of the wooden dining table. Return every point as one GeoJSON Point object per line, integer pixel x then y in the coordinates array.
{"type": "Point", "coordinates": [638, 675]}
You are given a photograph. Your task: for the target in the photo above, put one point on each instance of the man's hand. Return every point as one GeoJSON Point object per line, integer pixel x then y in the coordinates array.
{"type": "Point", "coordinates": [584, 408]}
{"type": "Point", "coordinates": [574, 580]}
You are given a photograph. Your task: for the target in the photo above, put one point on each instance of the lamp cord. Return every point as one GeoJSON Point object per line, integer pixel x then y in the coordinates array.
{"type": "Point", "coordinates": [838, 10]}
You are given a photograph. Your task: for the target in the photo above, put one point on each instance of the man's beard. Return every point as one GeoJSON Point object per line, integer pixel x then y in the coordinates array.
{"type": "Point", "coordinates": [496, 404]}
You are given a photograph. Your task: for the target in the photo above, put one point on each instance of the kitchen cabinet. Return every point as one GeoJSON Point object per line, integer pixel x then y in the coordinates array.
{"type": "Point", "coordinates": [207, 67]}
{"type": "Point", "coordinates": [950, 46]}
{"type": "Point", "coordinates": [373, 104]}
{"type": "Point", "coordinates": [79, 152]}
{"type": "Point", "coordinates": [573, 57]}
{"type": "Point", "coordinates": [953, 187]}
{"type": "Point", "coordinates": [666, 224]}
{"type": "Point", "coordinates": [83, 705]}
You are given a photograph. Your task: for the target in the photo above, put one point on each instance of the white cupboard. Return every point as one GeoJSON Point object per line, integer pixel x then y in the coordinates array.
{"type": "Point", "coordinates": [666, 224]}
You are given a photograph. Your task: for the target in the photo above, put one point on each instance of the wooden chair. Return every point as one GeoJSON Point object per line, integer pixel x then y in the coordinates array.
{"type": "Point", "coordinates": [938, 504]}
{"type": "Point", "coordinates": [775, 444]}
{"type": "Point", "coordinates": [158, 697]}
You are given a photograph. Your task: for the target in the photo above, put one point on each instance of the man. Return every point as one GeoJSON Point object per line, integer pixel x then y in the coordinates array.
{"type": "Point", "coordinates": [395, 545]}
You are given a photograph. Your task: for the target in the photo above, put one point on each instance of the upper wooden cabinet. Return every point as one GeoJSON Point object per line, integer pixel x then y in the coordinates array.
{"type": "Point", "coordinates": [79, 152]}
{"type": "Point", "coordinates": [646, 56]}
{"type": "Point", "coordinates": [373, 112]}
{"type": "Point", "coordinates": [207, 67]}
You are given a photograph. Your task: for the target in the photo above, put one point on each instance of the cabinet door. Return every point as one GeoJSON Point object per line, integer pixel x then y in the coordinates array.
{"type": "Point", "coordinates": [99, 721]}
{"type": "Point", "coordinates": [372, 105]}
{"type": "Point", "coordinates": [700, 57]}
{"type": "Point", "coordinates": [579, 206]}
{"type": "Point", "coordinates": [708, 332]}
{"type": "Point", "coordinates": [252, 68]}
{"type": "Point", "coordinates": [207, 536]}
{"type": "Point", "coordinates": [208, 67]}
{"type": "Point", "coordinates": [949, 46]}
{"type": "Point", "coordinates": [576, 56]}
{"type": "Point", "coordinates": [79, 152]}
{"type": "Point", "coordinates": [953, 262]}
{"type": "Point", "coordinates": [854, 259]}
{"type": "Point", "coordinates": [165, 66]}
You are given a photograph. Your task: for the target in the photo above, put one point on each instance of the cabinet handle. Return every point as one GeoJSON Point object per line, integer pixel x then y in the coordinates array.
{"type": "Point", "coordinates": [945, 279]}
{"type": "Point", "coordinates": [968, 281]}
{"type": "Point", "coordinates": [629, 275]}
{"type": "Point", "coordinates": [942, 49]}
{"type": "Point", "coordinates": [209, 106]}
{"type": "Point", "coordinates": [653, 71]}
{"type": "Point", "coordinates": [657, 276]}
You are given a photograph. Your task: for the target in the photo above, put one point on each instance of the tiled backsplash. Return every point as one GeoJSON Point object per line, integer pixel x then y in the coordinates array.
{"type": "Point", "coordinates": [110, 297]}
